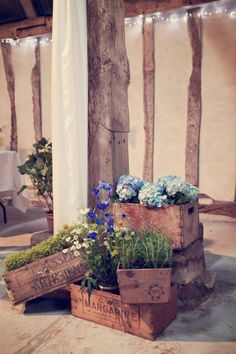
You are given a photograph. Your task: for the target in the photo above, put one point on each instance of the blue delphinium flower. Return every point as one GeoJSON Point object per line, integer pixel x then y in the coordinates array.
{"type": "Point", "coordinates": [105, 186]}
{"type": "Point", "coordinates": [102, 206]}
{"type": "Point", "coordinates": [91, 214]}
{"type": "Point", "coordinates": [92, 235]}
{"type": "Point", "coordinates": [100, 222]}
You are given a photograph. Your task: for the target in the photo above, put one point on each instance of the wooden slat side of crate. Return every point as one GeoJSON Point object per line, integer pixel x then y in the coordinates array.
{"type": "Point", "coordinates": [43, 276]}
{"type": "Point", "coordinates": [189, 263]}
{"type": "Point", "coordinates": [144, 286]}
{"type": "Point", "coordinates": [146, 321]}
{"type": "Point", "coordinates": [178, 222]}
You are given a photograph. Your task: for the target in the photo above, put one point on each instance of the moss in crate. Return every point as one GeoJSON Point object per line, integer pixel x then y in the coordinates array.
{"type": "Point", "coordinates": [46, 248]}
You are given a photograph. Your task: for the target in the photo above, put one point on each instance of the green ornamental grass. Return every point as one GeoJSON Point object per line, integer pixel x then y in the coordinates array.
{"type": "Point", "coordinates": [149, 249]}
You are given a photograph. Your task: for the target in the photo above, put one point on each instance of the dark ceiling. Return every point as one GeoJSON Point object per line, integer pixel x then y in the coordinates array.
{"type": "Point", "coordinates": [13, 10]}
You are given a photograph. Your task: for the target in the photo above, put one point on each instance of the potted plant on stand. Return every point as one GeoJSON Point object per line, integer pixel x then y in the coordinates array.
{"type": "Point", "coordinates": [144, 273]}
{"type": "Point", "coordinates": [38, 166]}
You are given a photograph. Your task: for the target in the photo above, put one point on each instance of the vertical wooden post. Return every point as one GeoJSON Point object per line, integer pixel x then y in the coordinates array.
{"type": "Point", "coordinates": [108, 92]}
{"type": "Point", "coordinates": [194, 100]}
{"type": "Point", "coordinates": [36, 93]}
{"type": "Point", "coordinates": [10, 78]}
{"type": "Point", "coordinates": [149, 94]}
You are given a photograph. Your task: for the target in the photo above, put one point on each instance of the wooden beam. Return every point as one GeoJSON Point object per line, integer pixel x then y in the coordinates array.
{"type": "Point", "coordinates": [219, 208]}
{"type": "Point", "coordinates": [28, 8]}
{"type": "Point", "coordinates": [36, 94]}
{"type": "Point", "coordinates": [21, 29]}
{"type": "Point", "coordinates": [194, 109]}
{"type": "Point", "coordinates": [108, 92]}
{"type": "Point", "coordinates": [10, 78]}
{"type": "Point", "coordinates": [145, 7]}
{"type": "Point", "coordinates": [149, 83]}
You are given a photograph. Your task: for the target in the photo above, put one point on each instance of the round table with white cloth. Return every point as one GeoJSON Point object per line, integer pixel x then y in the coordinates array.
{"type": "Point", "coordinates": [11, 180]}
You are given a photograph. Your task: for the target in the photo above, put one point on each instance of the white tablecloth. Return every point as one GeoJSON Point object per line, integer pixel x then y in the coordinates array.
{"type": "Point", "coordinates": [11, 180]}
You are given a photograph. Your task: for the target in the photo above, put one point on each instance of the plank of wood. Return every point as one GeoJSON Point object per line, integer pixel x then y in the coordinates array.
{"type": "Point", "coordinates": [26, 28]}
{"type": "Point", "coordinates": [10, 78]}
{"type": "Point", "coordinates": [146, 321]}
{"type": "Point", "coordinates": [188, 263]}
{"type": "Point", "coordinates": [145, 7]}
{"type": "Point", "coordinates": [219, 208]}
{"type": "Point", "coordinates": [149, 83]}
{"type": "Point", "coordinates": [28, 8]}
{"type": "Point", "coordinates": [36, 93]}
{"type": "Point", "coordinates": [109, 77]}
{"type": "Point", "coordinates": [43, 276]}
{"type": "Point", "coordinates": [194, 100]}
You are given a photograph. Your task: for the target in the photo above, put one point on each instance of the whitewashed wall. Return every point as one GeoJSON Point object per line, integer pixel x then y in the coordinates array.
{"type": "Point", "coordinates": [173, 60]}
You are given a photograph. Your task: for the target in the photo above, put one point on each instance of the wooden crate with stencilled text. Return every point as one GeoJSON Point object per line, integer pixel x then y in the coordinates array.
{"type": "Point", "coordinates": [143, 320]}
{"type": "Point", "coordinates": [43, 276]}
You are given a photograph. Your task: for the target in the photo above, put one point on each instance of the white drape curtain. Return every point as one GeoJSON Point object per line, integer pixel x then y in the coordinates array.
{"type": "Point", "coordinates": [69, 109]}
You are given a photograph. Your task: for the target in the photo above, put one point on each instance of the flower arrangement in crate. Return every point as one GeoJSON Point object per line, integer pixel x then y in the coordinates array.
{"type": "Point", "coordinates": [99, 241]}
{"type": "Point", "coordinates": [170, 204]}
{"type": "Point", "coordinates": [170, 190]}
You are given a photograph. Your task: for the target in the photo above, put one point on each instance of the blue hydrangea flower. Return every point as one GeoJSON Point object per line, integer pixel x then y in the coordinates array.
{"type": "Point", "coordinates": [128, 187]}
{"type": "Point", "coordinates": [151, 195]}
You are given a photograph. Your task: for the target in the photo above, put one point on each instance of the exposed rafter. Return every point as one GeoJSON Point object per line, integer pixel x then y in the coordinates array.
{"type": "Point", "coordinates": [36, 27]}
{"type": "Point", "coordinates": [28, 9]}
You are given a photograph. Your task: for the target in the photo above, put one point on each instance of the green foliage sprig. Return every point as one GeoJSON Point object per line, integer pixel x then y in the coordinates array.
{"type": "Point", "coordinates": [38, 167]}
{"type": "Point", "coordinates": [148, 249]}
{"type": "Point", "coordinates": [46, 248]}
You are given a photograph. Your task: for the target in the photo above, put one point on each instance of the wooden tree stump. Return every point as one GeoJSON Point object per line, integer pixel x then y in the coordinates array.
{"type": "Point", "coordinates": [108, 97]}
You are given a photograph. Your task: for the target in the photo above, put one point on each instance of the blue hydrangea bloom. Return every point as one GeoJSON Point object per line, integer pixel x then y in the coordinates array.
{"type": "Point", "coordinates": [128, 187]}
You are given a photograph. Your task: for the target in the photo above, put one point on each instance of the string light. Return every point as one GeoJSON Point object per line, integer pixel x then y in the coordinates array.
{"type": "Point", "coordinates": [181, 15]}
{"type": "Point", "coordinates": [27, 42]}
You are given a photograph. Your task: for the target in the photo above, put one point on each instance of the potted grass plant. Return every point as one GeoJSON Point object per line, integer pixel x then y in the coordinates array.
{"type": "Point", "coordinates": [38, 166]}
{"type": "Point", "coordinates": [144, 273]}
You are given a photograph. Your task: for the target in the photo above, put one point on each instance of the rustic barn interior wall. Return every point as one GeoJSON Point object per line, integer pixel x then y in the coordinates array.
{"type": "Point", "coordinates": [23, 61]}
{"type": "Point", "coordinates": [173, 67]}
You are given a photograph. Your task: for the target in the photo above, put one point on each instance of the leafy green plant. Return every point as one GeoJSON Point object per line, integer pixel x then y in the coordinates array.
{"type": "Point", "coordinates": [38, 167]}
{"type": "Point", "coordinates": [46, 248]}
{"type": "Point", "coordinates": [149, 249]}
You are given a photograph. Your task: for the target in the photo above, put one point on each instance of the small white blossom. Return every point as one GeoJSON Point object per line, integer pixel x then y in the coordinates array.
{"type": "Point", "coordinates": [65, 250]}
{"type": "Point", "coordinates": [84, 211]}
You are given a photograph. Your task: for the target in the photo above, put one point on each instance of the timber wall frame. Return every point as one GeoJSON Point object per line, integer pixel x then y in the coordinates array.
{"type": "Point", "coordinates": [38, 26]}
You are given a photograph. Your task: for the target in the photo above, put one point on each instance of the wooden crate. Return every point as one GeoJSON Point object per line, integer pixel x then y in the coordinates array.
{"type": "Point", "coordinates": [144, 286]}
{"type": "Point", "coordinates": [189, 263]}
{"type": "Point", "coordinates": [43, 276]}
{"type": "Point", "coordinates": [179, 222]}
{"type": "Point", "coordinates": [146, 321]}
